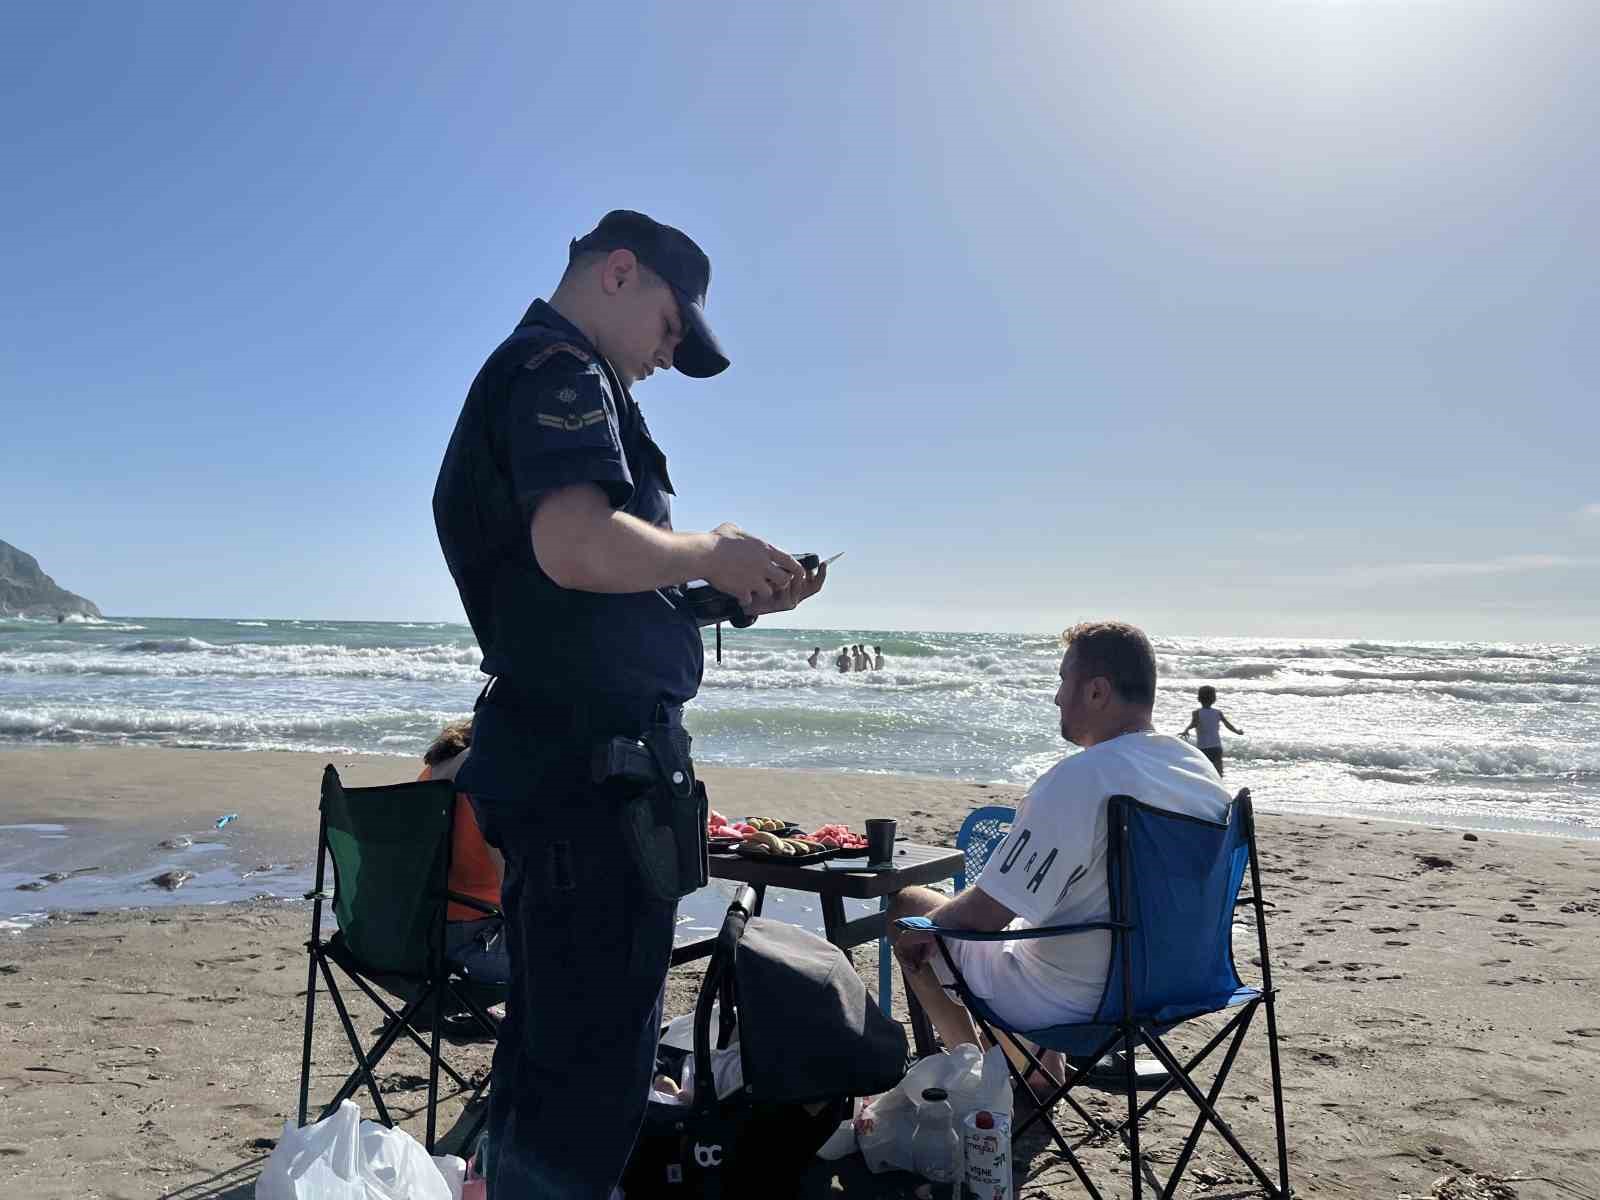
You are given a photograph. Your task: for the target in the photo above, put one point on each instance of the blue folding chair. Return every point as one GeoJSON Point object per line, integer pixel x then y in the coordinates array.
{"type": "Point", "coordinates": [983, 830]}
{"type": "Point", "coordinates": [1174, 886]}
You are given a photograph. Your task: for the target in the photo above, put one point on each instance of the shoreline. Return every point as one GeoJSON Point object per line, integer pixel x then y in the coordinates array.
{"type": "Point", "coordinates": [372, 765]}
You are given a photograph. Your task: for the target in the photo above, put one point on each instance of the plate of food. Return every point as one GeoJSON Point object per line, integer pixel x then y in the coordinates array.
{"type": "Point", "coordinates": [775, 825]}
{"type": "Point", "coordinates": [780, 848]}
{"type": "Point", "coordinates": [844, 841]}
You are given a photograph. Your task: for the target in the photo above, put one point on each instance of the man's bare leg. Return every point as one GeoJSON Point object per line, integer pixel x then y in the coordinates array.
{"type": "Point", "coordinates": [950, 1018]}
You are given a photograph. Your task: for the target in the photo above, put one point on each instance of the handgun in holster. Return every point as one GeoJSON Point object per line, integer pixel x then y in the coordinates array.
{"type": "Point", "coordinates": [661, 807]}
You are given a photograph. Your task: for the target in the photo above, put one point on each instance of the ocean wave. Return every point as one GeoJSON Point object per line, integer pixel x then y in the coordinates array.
{"type": "Point", "coordinates": [252, 624]}
{"type": "Point", "coordinates": [184, 645]}
{"type": "Point", "coordinates": [1249, 671]}
{"type": "Point", "coordinates": [195, 658]}
{"type": "Point", "coordinates": [1473, 675]}
{"type": "Point", "coordinates": [1311, 689]}
{"type": "Point", "coordinates": [185, 728]}
{"type": "Point", "coordinates": [1482, 760]}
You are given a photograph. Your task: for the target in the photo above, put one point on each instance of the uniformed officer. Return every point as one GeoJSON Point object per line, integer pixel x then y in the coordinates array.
{"type": "Point", "coordinates": [554, 513]}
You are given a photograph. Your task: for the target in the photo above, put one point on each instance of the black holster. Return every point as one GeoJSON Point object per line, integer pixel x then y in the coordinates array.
{"type": "Point", "coordinates": [661, 807]}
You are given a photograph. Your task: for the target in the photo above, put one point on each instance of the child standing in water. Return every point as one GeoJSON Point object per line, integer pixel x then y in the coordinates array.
{"type": "Point", "coordinates": [1206, 723]}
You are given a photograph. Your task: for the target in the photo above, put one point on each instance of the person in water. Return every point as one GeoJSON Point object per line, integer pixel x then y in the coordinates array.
{"type": "Point", "coordinates": [1206, 723]}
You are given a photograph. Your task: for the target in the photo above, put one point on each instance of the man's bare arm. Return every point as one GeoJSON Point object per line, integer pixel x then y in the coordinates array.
{"type": "Point", "coordinates": [973, 908]}
{"type": "Point", "coordinates": [584, 544]}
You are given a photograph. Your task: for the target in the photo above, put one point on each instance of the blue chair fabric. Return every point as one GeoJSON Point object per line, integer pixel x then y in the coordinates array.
{"type": "Point", "coordinates": [1174, 884]}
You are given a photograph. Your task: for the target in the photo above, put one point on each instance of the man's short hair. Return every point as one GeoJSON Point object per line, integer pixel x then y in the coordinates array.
{"type": "Point", "coordinates": [452, 740]}
{"type": "Point", "coordinates": [1207, 694]}
{"type": "Point", "coordinates": [1118, 651]}
{"type": "Point", "coordinates": [579, 261]}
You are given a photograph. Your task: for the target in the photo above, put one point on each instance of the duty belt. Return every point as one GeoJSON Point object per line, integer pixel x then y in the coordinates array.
{"type": "Point", "coordinates": [582, 714]}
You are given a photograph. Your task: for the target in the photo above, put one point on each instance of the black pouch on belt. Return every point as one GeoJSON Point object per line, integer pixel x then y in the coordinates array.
{"type": "Point", "coordinates": [662, 808]}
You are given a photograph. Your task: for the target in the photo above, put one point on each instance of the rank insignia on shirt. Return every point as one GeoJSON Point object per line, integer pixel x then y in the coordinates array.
{"type": "Point", "coordinates": [572, 422]}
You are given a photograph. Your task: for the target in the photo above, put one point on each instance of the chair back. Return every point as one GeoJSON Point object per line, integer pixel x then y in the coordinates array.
{"type": "Point", "coordinates": [1175, 879]}
{"type": "Point", "coordinates": [390, 848]}
{"type": "Point", "coordinates": [983, 830]}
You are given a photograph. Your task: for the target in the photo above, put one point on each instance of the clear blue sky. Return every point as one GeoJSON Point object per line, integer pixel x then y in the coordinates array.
{"type": "Point", "coordinates": [1258, 318]}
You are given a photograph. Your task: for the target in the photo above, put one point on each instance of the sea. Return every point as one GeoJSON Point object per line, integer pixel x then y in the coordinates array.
{"type": "Point", "coordinates": [1474, 735]}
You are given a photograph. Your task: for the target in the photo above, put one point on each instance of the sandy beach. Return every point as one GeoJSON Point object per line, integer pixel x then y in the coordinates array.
{"type": "Point", "coordinates": [1438, 1004]}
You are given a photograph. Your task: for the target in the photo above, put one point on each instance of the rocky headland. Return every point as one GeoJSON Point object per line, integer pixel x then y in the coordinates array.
{"type": "Point", "coordinates": [26, 591]}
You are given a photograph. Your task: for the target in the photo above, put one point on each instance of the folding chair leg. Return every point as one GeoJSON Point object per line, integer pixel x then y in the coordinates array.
{"type": "Point", "coordinates": [312, 950]}
{"type": "Point", "coordinates": [433, 1066]}
{"type": "Point", "coordinates": [1277, 1095]}
{"type": "Point", "coordinates": [393, 1026]}
{"type": "Point", "coordinates": [1187, 1084]}
{"type": "Point", "coordinates": [355, 1045]}
{"type": "Point", "coordinates": [407, 1013]}
{"type": "Point", "coordinates": [1200, 1056]}
{"type": "Point", "coordinates": [1211, 1099]}
{"type": "Point", "coordinates": [1130, 1076]}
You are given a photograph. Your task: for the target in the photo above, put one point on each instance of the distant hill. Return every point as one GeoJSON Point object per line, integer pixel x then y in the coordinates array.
{"type": "Point", "coordinates": [27, 591]}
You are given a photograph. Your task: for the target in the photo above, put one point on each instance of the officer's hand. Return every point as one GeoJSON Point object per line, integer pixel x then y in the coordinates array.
{"type": "Point", "coordinates": [750, 570]}
{"type": "Point", "coordinates": [801, 587]}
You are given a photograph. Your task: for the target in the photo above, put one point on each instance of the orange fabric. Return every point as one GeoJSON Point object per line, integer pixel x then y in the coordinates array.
{"type": "Point", "coordinates": [472, 871]}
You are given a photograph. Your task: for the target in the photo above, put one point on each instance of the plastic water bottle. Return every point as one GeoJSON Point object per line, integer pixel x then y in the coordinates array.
{"type": "Point", "coordinates": [935, 1146]}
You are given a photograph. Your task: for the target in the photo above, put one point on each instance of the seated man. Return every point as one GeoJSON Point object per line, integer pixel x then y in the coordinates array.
{"type": "Point", "coordinates": [1050, 869]}
{"type": "Point", "coordinates": [472, 940]}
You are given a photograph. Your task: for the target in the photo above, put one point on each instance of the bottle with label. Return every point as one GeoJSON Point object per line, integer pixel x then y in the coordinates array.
{"type": "Point", "coordinates": [935, 1146]}
{"type": "Point", "coordinates": [986, 1145]}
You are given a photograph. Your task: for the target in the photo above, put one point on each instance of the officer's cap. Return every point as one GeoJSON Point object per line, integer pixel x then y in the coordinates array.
{"type": "Point", "coordinates": [671, 254]}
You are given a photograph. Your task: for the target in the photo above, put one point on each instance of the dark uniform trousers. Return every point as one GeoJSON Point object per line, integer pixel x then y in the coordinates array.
{"type": "Point", "coordinates": [589, 956]}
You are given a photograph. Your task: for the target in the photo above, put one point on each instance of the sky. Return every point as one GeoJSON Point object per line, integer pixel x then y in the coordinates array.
{"type": "Point", "coordinates": [1255, 319]}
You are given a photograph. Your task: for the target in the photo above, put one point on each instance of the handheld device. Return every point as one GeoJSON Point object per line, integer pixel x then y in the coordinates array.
{"type": "Point", "coordinates": [711, 606]}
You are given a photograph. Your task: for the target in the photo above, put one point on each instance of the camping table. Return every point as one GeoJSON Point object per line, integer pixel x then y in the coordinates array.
{"type": "Point", "coordinates": [913, 864]}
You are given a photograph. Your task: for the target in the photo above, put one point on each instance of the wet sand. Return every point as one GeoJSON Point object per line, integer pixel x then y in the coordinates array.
{"type": "Point", "coordinates": [1439, 1008]}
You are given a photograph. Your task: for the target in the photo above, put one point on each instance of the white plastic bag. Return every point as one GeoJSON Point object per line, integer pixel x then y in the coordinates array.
{"type": "Point", "coordinates": [974, 1081]}
{"type": "Point", "coordinates": [346, 1158]}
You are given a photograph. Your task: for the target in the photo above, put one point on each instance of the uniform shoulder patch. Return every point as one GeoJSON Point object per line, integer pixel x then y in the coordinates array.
{"type": "Point", "coordinates": [571, 404]}
{"type": "Point", "coordinates": [549, 352]}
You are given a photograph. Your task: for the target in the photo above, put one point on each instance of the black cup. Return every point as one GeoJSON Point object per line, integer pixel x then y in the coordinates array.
{"type": "Point", "coordinates": [880, 841]}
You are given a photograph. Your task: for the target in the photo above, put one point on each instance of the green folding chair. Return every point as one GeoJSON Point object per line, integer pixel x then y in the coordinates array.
{"type": "Point", "coordinates": [390, 848]}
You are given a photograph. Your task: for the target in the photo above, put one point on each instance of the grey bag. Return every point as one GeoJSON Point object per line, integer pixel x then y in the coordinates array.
{"type": "Point", "coordinates": [808, 1029]}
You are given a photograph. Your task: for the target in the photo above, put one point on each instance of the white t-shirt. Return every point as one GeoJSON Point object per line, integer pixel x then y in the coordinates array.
{"type": "Point", "coordinates": [1051, 870]}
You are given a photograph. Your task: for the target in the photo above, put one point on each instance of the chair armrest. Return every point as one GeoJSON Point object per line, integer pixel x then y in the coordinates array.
{"type": "Point", "coordinates": [926, 925]}
{"type": "Point", "coordinates": [487, 910]}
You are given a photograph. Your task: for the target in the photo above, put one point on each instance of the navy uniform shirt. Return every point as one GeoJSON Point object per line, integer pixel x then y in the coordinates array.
{"type": "Point", "coordinates": [547, 411]}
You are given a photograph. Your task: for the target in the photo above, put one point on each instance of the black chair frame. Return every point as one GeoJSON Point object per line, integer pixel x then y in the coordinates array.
{"type": "Point", "coordinates": [442, 983]}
